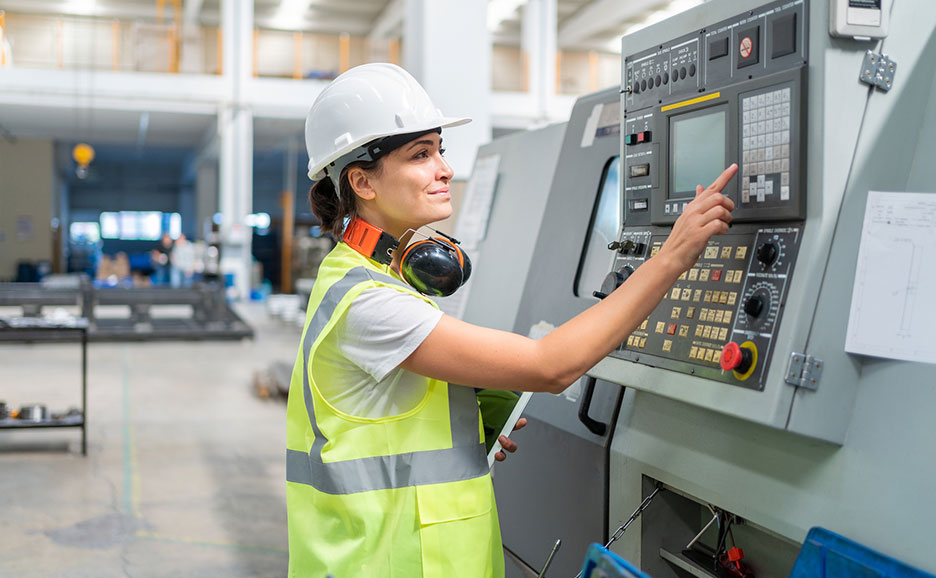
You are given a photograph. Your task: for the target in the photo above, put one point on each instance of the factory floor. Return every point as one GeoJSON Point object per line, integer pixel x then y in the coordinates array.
{"type": "Point", "coordinates": [185, 472]}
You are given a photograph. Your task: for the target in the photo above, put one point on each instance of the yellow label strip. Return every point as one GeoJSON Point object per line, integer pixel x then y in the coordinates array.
{"type": "Point", "coordinates": [692, 101]}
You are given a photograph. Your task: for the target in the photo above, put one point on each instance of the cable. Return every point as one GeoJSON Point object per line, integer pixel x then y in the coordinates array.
{"type": "Point", "coordinates": [838, 215]}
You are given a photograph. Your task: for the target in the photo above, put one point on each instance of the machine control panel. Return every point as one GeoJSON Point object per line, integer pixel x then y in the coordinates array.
{"type": "Point", "coordinates": [730, 302]}
{"type": "Point", "coordinates": [732, 92]}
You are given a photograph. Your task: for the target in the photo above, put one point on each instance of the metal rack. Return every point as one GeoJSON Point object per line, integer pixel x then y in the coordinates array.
{"type": "Point", "coordinates": [211, 317]}
{"type": "Point", "coordinates": [44, 330]}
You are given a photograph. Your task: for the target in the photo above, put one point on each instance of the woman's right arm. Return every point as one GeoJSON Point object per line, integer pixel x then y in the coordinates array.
{"type": "Point", "coordinates": [471, 355]}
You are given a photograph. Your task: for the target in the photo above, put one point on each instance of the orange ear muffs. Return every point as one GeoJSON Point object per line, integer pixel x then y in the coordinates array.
{"type": "Point", "coordinates": [435, 266]}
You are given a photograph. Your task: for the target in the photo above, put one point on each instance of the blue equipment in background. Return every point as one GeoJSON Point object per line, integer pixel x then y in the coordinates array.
{"type": "Point", "coordinates": [824, 554]}
{"type": "Point", "coordinates": [603, 563]}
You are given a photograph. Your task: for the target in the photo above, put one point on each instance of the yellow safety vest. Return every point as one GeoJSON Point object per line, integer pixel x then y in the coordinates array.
{"type": "Point", "coordinates": [406, 496]}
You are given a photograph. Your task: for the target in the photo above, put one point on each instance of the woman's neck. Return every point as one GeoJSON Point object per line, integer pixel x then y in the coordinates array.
{"type": "Point", "coordinates": [398, 253]}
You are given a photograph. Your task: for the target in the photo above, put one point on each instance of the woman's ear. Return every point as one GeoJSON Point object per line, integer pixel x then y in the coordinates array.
{"type": "Point", "coordinates": [360, 183]}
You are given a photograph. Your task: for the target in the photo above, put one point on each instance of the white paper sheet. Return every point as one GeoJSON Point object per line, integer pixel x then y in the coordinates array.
{"type": "Point", "coordinates": [891, 311]}
{"type": "Point", "coordinates": [476, 209]}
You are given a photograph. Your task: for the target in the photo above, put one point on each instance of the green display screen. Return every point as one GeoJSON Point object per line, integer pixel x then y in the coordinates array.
{"type": "Point", "coordinates": [698, 151]}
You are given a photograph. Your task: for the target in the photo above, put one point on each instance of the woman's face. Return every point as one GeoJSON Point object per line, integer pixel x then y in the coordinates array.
{"type": "Point", "coordinates": [411, 189]}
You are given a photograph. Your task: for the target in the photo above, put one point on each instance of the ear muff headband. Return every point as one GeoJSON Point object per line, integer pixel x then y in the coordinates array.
{"type": "Point", "coordinates": [370, 241]}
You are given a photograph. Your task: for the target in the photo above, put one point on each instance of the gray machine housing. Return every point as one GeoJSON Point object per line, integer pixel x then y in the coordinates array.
{"type": "Point", "coordinates": [706, 441]}
{"type": "Point", "coordinates": [503, 258]}
{"type": "Point", "coordinates": [557, 484]}
{"type": "Point", "coordinates": [836, 103]}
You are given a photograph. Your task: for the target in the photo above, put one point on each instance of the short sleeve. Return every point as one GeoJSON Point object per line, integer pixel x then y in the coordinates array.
{"type": "Point", "coordinates": [383, 326]}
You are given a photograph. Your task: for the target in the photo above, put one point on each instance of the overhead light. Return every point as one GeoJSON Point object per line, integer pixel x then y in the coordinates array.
{"type": "Point", "coordinates": [83, 7]}
{"type": "Point", "coordinates": [290, 14]}
{"type": "Point", "coordinates": [83, 154]}
{"type": "Point", "coordinates": [671, 9]}
{"type": "Point", "coordinates": [258, 220]}
{"type": "Point", "coordinates": [500, 10]}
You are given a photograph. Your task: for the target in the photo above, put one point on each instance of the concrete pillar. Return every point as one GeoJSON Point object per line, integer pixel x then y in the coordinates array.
{"type": "Point", "coordinates": [538, 43]}
{"type": "Point", "coordinates": [206, 197]}
{"type": "Point", "coordinates": [235, 131]}
{"type": "Point", "coordinates": [447, 48]}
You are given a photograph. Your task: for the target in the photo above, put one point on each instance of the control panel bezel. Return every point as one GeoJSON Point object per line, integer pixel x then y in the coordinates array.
{"type": "Point", "coordinates": [730, 97]}
{"type": "Point", "coordinates": [738, 64]}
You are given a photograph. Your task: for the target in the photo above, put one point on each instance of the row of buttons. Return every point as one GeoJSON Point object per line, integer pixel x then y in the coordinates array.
{"type": "Point", "coordinates": [711, 332]}
{"type": "Point", "coordinates": [767, 135]}
{"type": "Point", "coordinates": [664, 78]}
{"type": "Point", "coordinates": [715, 275]}
{"type": "Point", "coordinates": [674, 208]}
{"type": "Point", "coordinates": [763, 186]}
{"type": "Point", "coordinates": [773, 112]}
{"type": "Point", "coordinates": [705, 354]}
{"type": "Point", "coordinates": [768, 152]}
{"type": "Point", "coordinates": [712, 252]}
{"type": "Point", "coordinates": [766, 167]}
{"type": "Point", "coordinates": [716, 315]}
{"type": "Point", "coordinates": [725, 297]}
{"type": "Point", "coordinates": [637, 138]}
{"type": "Point", "coordinates": [670, 329]}
{"type": "Point", "coordinates": [706, 314]}
{"type": "Point", "coordinates": [766, 99]}
{"type": "Point", "coordinates": [637, 341]}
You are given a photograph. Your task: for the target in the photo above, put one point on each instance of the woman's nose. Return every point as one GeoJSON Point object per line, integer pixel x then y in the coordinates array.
{"type": "Point", "coordinates": [445, 169]}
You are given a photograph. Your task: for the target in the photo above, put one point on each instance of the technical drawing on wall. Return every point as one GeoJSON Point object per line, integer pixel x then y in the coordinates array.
{"type": "Point", "coordinates": [888, 318]}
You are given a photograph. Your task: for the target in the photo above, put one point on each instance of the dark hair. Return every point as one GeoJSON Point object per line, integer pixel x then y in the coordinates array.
{"type": "Point", "coordinates": [332, 209]}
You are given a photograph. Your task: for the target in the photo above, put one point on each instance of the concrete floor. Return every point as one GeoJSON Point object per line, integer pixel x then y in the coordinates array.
{"type": "Point", "coordinates": [185, 472]}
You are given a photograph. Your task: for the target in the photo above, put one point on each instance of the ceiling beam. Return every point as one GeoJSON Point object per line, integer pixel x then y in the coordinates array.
{"type": "Point", "coordinates": [389, 24]}
{"type": "Point", "coordinates": [601, 16]}
{"type": "Point", "coordinates": [102, 9]}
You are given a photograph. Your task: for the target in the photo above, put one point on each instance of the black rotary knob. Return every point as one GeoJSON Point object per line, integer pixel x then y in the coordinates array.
{"type": "Point", "coordinates": [767, 253]}
{"type": "Point", "coordinates": [754, 306]}
{"type": "Point", "coordinates": [613, 280]}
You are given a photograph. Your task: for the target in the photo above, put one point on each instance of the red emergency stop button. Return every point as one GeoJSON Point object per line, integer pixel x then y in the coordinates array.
{"type": "Point", "coordinates": [736, 358]}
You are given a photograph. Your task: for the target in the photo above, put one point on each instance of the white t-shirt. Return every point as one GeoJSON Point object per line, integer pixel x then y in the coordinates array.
{"type": "Point", "coordinates": [379, 330]}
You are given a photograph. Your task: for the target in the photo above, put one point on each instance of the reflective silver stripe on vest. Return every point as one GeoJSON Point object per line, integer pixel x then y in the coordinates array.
{"type": "Point", "coordinates": [465, 460]}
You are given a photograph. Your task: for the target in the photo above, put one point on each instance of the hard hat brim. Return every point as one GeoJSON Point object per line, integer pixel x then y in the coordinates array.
{"type": "Point", "coordinates": [443, 122]}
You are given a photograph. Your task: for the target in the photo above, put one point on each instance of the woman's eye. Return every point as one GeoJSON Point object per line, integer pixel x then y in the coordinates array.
{"type": "Point", "coordinates": [441, 151]}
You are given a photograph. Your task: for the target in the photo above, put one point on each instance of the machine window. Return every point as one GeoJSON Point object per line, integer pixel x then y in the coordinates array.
{"type": "Point", "coordinates": [698, 151]}
{"type": "Point", "coordinates": [605, 225]}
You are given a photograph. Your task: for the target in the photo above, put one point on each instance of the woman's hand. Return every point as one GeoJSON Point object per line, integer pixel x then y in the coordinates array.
{"type": "Point", "coordinates": [507, 444]}
{"type": "Point", "coordinates": [707, 215]}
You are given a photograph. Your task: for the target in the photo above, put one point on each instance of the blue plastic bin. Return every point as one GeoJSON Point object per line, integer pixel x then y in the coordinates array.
{"type": "Point", "coordinates": [826, 554]}
{"type": "Point", "coordinates": [603, 563]}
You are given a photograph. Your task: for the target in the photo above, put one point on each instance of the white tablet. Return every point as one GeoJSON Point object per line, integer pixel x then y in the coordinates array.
{"type": "Point", "coordinates": [509, 425]}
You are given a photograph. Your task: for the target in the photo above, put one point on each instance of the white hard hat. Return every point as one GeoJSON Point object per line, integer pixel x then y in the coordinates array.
{"type": "Point", "coordinates": [366, 103]}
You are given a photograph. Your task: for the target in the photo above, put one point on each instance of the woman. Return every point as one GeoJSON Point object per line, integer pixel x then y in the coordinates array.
{"type": "Point", "coordinates": [386, 468]}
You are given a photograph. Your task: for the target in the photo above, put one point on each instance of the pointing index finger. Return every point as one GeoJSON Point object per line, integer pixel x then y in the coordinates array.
{"type": "Point", "coordinates": [723, 178]}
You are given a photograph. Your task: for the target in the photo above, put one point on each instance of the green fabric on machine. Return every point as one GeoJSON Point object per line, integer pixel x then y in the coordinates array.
{"type": "Point", "coordinates": [496, 406]}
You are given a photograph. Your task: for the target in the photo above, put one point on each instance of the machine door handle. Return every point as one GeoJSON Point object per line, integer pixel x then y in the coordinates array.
{"type": "Point", "coordinates": [596, 427]}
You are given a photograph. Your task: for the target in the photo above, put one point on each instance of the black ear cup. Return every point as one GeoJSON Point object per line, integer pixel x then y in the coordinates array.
{"type": "Point", "coordinates": [462, 258]}
{"type": "Point", "coordinates": [435, 267]}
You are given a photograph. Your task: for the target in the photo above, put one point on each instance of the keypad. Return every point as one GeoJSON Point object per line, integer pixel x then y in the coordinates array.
{"type": "Point", "coordinates": [765, 150]}
{"type": "Point", "coordinates": [695, 318]}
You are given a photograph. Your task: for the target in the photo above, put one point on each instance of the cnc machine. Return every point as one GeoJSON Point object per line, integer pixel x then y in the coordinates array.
{"type": "Point", "coordinates": [748, 411]}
